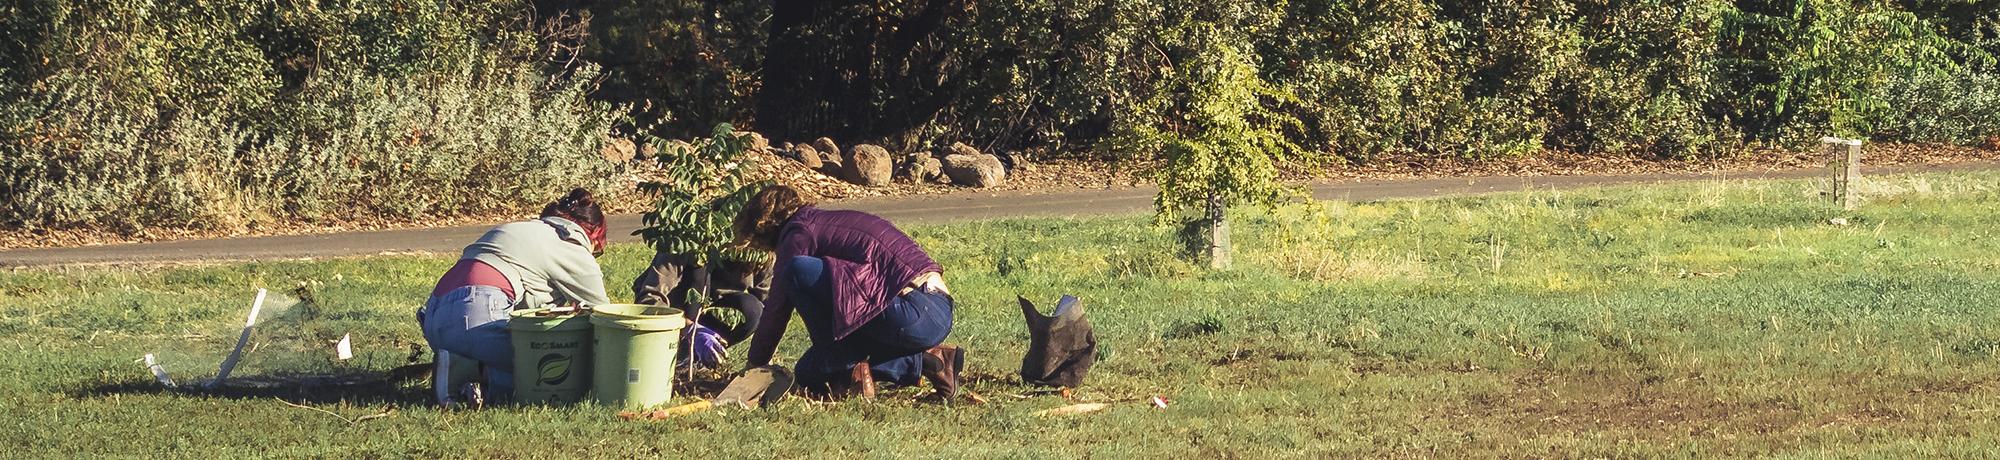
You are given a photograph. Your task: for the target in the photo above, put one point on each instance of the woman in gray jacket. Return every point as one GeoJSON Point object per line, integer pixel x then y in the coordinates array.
{"type": "Point", "coordinates": [546, 262]}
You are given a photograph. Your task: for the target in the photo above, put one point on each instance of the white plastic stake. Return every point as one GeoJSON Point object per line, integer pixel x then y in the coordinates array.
{"type": "Point", "coordinates": [159, 372]}
{"type": "Point", "coordinates": [345, 349]}
{"type": "Point", "coordinates": [229, 364]}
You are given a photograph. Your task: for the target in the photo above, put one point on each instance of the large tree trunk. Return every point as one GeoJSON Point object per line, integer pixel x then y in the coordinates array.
{"type": "Point", "coordinates": [862, 72]}
{"type": "Point", "coordinates": [789, 103]}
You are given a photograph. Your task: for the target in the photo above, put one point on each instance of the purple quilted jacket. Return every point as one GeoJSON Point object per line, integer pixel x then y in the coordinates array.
{"type": "Point", "coordinates": [867, 261]}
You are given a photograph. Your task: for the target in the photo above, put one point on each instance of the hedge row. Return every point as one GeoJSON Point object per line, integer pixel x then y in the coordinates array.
{"type": "Point", "coordinates": [127, 113]}
{"type": "Point", "coordinates": [124, 114]}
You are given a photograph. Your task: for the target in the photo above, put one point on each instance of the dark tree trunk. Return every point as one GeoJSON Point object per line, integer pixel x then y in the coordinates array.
{"type": "Point", "coordinates": [789, 104]}
{"type": "Point", "coordinates": [860, 72]}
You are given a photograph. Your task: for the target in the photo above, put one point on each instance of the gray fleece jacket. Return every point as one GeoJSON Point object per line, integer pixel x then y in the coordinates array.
{"type": "Point", "coordinates": [548, 261]}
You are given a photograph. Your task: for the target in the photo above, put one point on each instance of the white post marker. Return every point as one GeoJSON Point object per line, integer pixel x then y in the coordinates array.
{"type": "Point", "coordinates": [1846, 170]}
{"type": "Point", "coordinates": [229, 364]}
{"type": "Point", "coordinates": [345, 349]}
{"type": "Point", "coordinates": [159, 372]}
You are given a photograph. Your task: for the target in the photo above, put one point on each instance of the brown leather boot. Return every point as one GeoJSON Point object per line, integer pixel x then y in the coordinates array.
{"type": "Point", "coordinates": [947, 362]}
{"type": "Point", "coordinates": [864, 381]}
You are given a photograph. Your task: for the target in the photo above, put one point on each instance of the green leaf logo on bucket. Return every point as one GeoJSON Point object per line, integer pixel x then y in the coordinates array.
{"type": "Point", "coordinates": [555, 368]}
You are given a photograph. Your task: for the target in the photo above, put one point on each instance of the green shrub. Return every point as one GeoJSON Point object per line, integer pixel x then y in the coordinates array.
{"type": "Point", "coordinates": [1463, 78]}
{"type": "Point", "coordinates": [701, 190]}
{"type": "Point", "coordinates": [233, 113]}
{"type": "Point", "coordinates": [476, 140]}
{"type": "Point", "coordinates": [1962, 108]}
{"type": "Point", "coordinates": [1794, 71]}
{"type": "Point", "coordinates": [691, 63]}
{"type": "Point", "coordinates": [479, 139]}
{"type": "Point", "coordinates": [230, 112]}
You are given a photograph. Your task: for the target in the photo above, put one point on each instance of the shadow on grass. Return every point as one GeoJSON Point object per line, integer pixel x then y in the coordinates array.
{"type": "Point", "coordinates": [397, 387]}
{"type": "Point", "coordinates": [402, 387]}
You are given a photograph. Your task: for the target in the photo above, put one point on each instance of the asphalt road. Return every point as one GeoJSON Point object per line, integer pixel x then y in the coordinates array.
{"type": "Point", "coordinates": [902, 210]}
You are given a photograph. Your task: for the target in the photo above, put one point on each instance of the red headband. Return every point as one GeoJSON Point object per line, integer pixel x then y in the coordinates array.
{"type": "Point", "coordinates": [596, 237]}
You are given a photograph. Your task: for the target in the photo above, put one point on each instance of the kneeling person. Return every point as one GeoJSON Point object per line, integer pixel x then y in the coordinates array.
{"type": "Point", "coordinates": [731, 287]}
{"type": "Point", "coordinates": [546, 262]}
{"type": "Point", "coordinates": [873, 302]}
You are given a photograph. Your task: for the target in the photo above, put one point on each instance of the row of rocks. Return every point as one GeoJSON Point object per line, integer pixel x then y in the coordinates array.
{"type": "Point", "coordinates": [873, 166]}
{"type": "Point", "coordinates": [864, 164]}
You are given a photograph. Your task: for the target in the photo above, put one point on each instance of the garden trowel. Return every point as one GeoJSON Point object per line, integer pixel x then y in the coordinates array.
{"type": "Point", "coordinates": [757, 387]}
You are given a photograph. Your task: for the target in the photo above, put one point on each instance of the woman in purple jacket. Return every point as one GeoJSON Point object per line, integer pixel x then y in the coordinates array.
{"type": "Point", "coordinates": [865, 291]}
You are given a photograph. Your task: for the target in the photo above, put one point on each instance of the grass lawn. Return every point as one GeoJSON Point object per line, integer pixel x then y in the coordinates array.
{"type": "Point", "coordinates": [1718, 318]}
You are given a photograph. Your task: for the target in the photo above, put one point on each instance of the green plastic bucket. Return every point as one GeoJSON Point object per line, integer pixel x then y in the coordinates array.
{"type": "Point", "coordinates": [551, 357]}
{"type": "Point", "coordinates": [634, 360]}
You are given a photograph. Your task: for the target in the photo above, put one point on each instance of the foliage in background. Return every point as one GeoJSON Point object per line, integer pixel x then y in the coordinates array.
{"type": "Point", "coordinates": [685, 64]}
{"type": "Point", "coordinates": [1950, 108]}
{"type": "Point", "coordinates": [224, 114]}
{"type": "Point", "coordinates": [881, 71]}
{"type": "Point", "coordinates": [1206, 111]}
{"type": "Point", "coordinates": [1460, 78]}
{"type": "Point", "coordinates": [1806, 68]}
{"type": "Point", "coordinates": [286, 110]}
{"type": "Point", "coordinates": [701, 190]}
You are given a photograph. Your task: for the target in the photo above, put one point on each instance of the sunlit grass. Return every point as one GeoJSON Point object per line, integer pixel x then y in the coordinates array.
{"type": "Point", "coordinates": [1698, 319]}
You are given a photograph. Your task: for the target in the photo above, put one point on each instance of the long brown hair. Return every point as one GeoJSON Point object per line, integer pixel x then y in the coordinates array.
{"type": "Point", "coordinates": [581, 207]}
{"type": "Point", "coordinates": [765, 216]}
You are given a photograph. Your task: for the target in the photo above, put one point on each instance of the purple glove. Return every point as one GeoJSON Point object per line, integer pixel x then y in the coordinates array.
{"type": "Point", "coordinates": [707, 346]}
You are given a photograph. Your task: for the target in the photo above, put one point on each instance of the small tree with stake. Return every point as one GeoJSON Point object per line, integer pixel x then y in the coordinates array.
{"type": "Point", "coordinates": [1217, 140]}
{"type": "Point", "coordinates": [701, 189]}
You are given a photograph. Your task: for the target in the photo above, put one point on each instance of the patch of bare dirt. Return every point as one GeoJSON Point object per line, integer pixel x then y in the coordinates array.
{"type": "Point", "coordinates": [1629, 405]}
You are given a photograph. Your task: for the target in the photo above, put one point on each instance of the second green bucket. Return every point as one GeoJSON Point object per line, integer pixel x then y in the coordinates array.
{"type": "Point", "coordinates": [634, 354]}
{"type": "Point", "coordinates": [551, 357]}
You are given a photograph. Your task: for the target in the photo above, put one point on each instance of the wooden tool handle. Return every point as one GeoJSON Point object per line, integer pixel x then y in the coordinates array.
{"type": "Point", "coordinates": [667, 413]}
{"type": "Point", "coordinates": [684, 409]}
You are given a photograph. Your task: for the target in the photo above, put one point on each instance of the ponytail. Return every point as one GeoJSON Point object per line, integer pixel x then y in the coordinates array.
{"type": "Point", "coordinates": [581, 207]}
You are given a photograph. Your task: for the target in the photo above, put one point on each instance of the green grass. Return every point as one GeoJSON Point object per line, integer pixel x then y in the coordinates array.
{"type": "Point", "coordinates": [1718, 318]}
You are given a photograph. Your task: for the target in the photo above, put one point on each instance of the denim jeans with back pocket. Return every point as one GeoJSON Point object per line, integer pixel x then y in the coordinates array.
{"type": "Point", "coordinates": [892, 343]}
{"type": "Point", "coordinates": [471, 322]}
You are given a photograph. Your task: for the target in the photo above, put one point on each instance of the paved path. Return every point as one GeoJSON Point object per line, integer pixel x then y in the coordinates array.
{"type": "Point", "coordinates": [902, 210]}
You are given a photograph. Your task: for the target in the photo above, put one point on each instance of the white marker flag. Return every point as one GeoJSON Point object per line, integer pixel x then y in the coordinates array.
{"type": "Point", "coordinates": [344, 349]}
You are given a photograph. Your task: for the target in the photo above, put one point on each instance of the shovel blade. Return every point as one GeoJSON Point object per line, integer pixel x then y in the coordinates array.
{"type": "Point", "coordinates": [756, 387]}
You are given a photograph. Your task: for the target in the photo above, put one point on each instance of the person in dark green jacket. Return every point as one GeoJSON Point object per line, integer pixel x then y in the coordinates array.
{"type": "Point", "coordinates": [729, 290]}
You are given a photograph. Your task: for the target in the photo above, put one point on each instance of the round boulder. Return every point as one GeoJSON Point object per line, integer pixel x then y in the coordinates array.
{"type": "Point", "coordinates": [619, 150]}
{"type": "Point", "coordinates": [827, 147]}
{"type": "Point", "coordinates": [869, 165]}
{"type": "Point", "coordinates": [975, 170]}
{"type": "Point", "coordinates": [959, 148]}
{"type": "Point", "coordinates": [919, 167]}
{"type": "Point", "coordinates": [807, 155]}
{"type": "Point", "coordinates": [926, 168]}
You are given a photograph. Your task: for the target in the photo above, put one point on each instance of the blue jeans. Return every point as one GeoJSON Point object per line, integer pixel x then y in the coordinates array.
{"type": "Point", "coordinates": [471, 322]}
{"type": "Point", "coordinates": [893, 343]}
